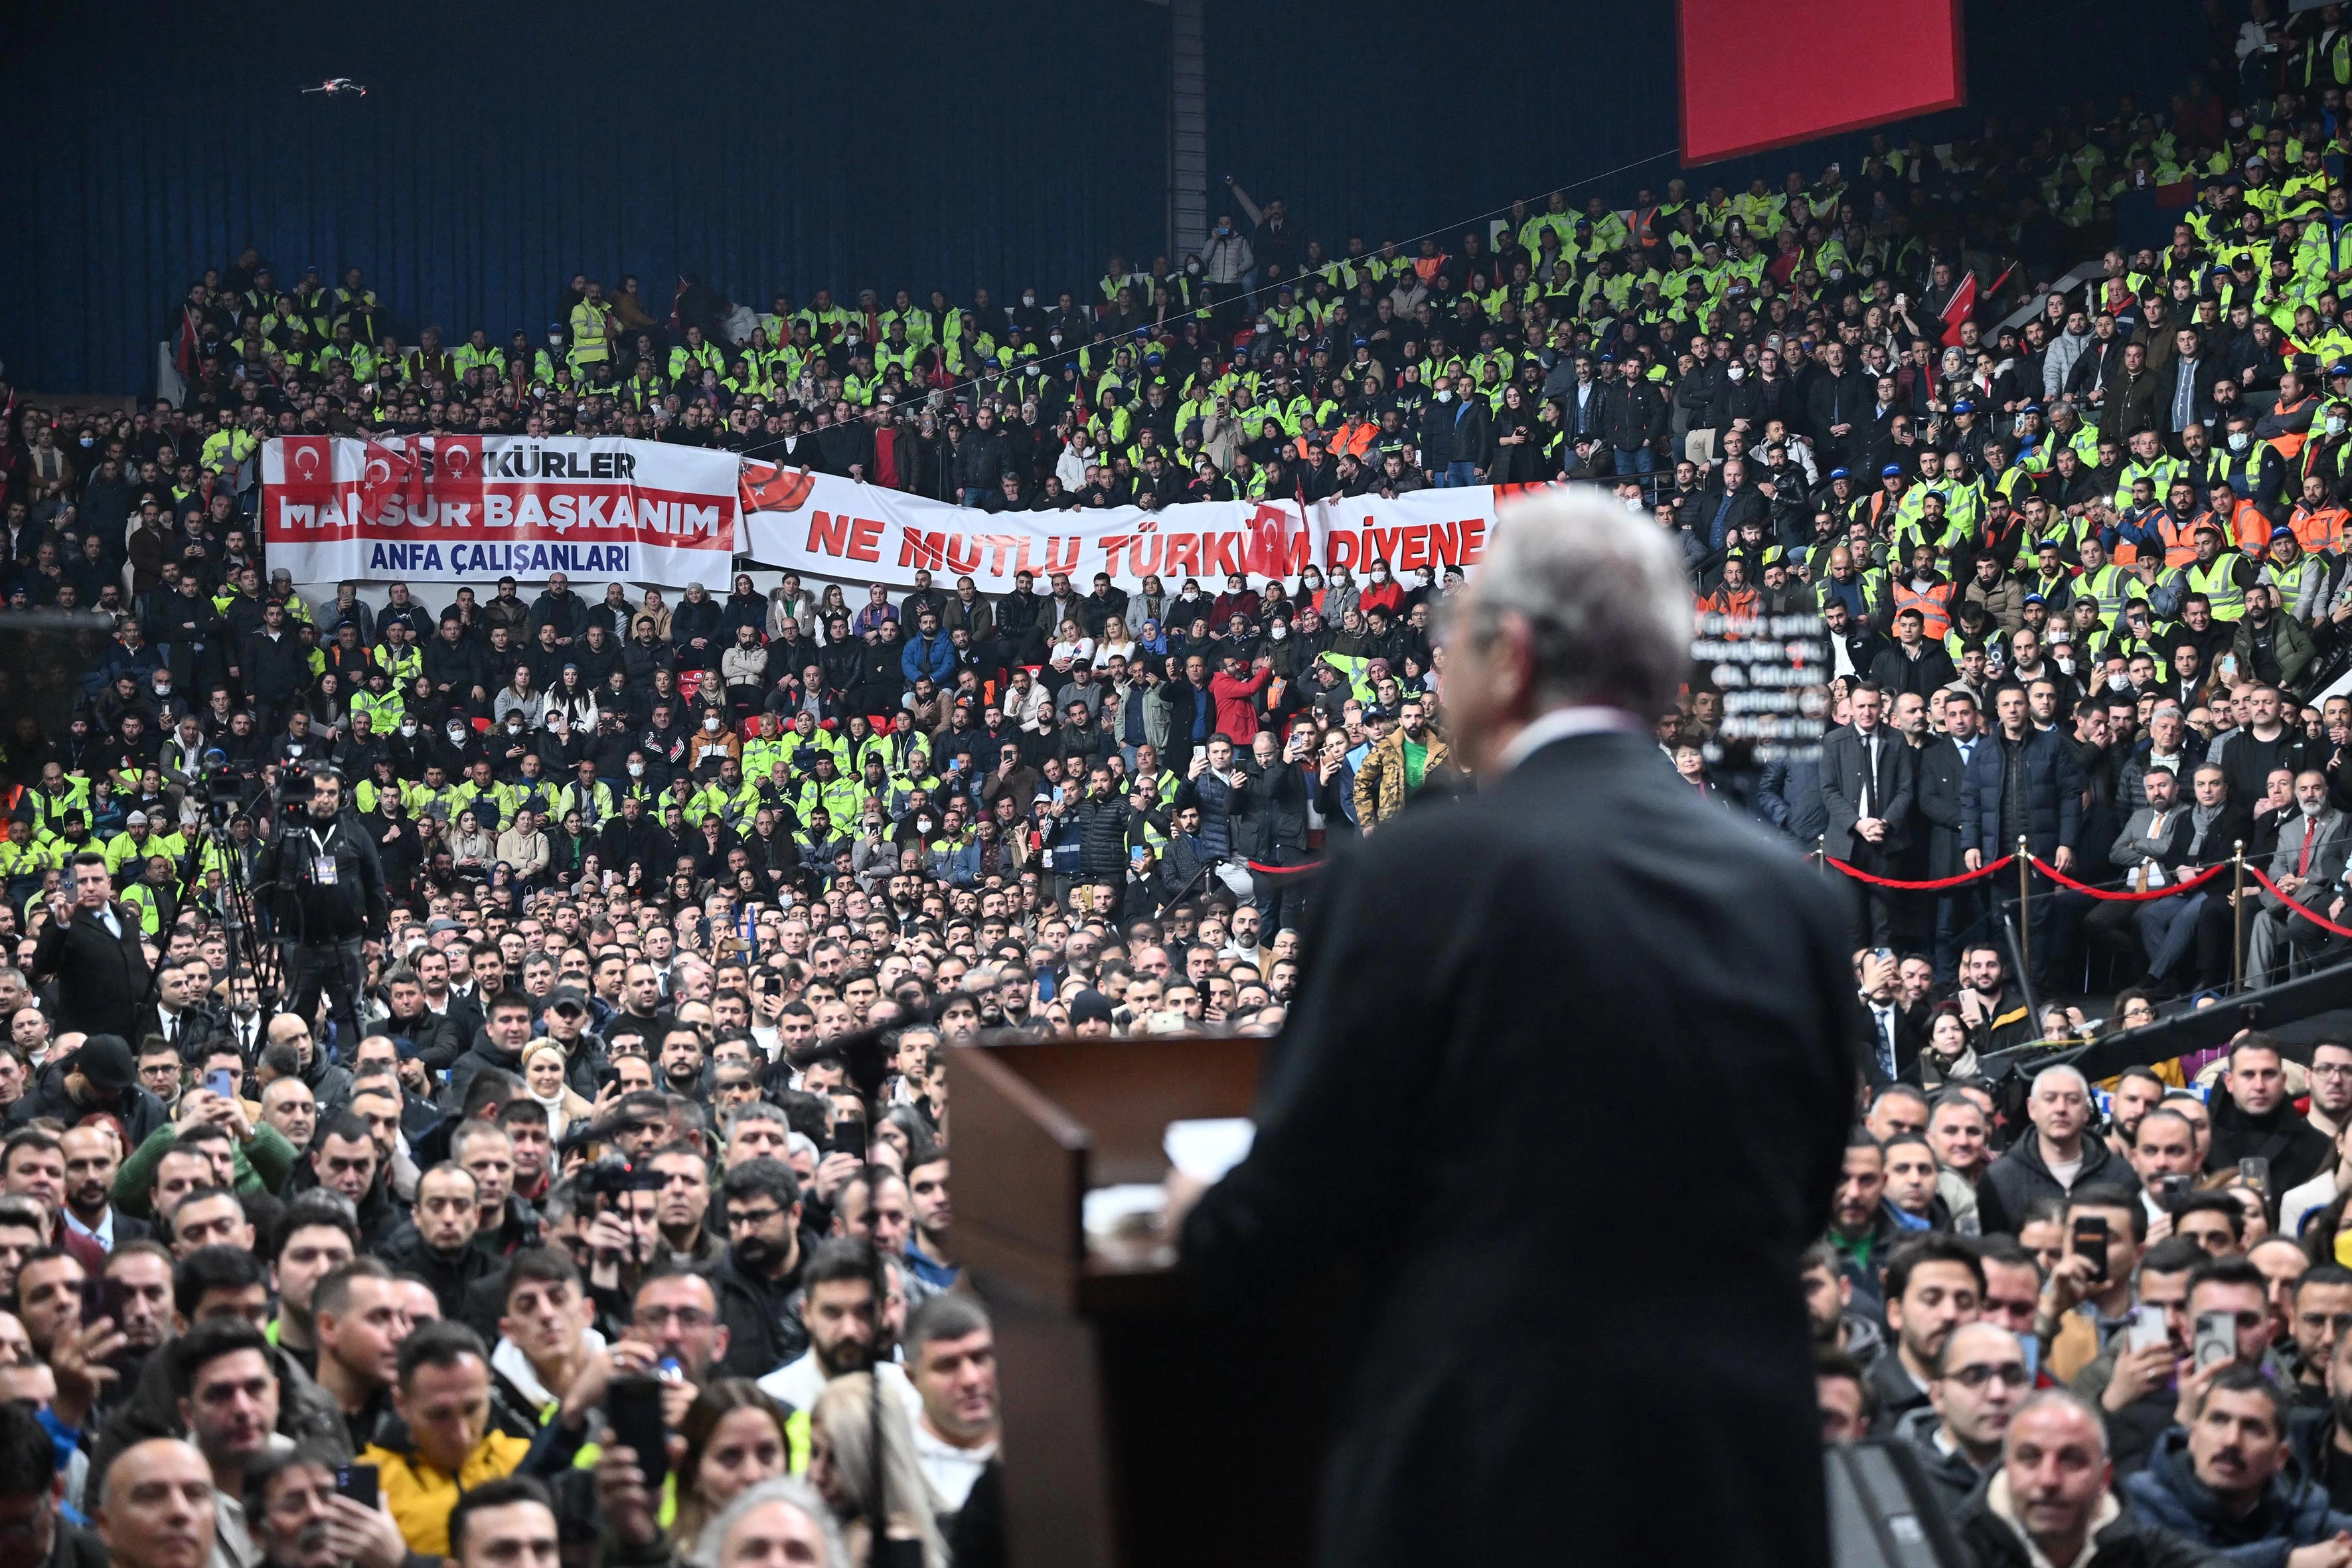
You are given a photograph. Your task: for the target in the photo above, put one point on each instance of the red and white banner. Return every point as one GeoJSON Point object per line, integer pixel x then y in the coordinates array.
{"type": "Point", "coordinates": [473, 509]}
{"type": "Point", "coordinates": [838, 529]}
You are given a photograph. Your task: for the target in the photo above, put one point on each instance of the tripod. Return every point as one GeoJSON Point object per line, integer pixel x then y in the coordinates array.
{"type": "Point", "coordinates": [236, 907]}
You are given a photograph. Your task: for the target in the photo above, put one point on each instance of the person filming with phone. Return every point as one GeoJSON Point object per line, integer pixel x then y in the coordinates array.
{"type": "Point", "coordinates": [2254, 1119]}
{"type": "Point", "coordinates": [301, 1511]}
{"type": "Point", "coordinates": [2090, 1286]}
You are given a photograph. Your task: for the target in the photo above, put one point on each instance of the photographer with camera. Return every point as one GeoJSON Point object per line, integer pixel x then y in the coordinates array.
{"type": "Point", "coordinates": [329, 898]}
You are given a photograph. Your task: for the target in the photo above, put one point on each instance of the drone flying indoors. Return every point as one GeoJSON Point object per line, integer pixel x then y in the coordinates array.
{"type": "Point", "coordinates": [338, 85]}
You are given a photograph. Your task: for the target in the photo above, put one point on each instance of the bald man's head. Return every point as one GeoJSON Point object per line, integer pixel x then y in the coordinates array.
{"type": "Point", "coordinates": [155, 1509]}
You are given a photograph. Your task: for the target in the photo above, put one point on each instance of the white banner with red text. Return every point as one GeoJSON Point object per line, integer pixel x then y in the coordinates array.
{"type": "Point", "coordinates": [473, 509]}
{"type": "Point", "coordinates": [839, 530]}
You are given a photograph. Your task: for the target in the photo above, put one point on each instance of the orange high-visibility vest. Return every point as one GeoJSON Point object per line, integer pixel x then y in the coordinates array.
{"type": "Point", "coordinates": [2319, 531]}
{"type": "Point", "coordinates": [2181, 538]}
{"type": "Point", "coordinates": [1729, 601]}
{"type": "Point", "coordinates": [2250, 527]}
{"type": "Point", "coordinates": [2290, 446]}
{"type": "Point", "coordinates": [1935, 607]}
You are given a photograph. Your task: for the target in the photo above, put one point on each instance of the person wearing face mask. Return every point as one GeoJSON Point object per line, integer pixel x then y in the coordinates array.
{"type": "Point", "coordinates": [2252, 469]}
{"type": "Point", "coordinates": [1382, 593]}
{"type": "Point", "coordinates": [459, 748]}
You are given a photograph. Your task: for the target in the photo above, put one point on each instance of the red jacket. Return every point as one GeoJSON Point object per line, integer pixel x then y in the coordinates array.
{"type": "Point", "coordinates": [1226, 606]}
{"type": "Point", "coordinates": [1238, 705]}
{"type": "Point", "coordinates": [1381, 596]}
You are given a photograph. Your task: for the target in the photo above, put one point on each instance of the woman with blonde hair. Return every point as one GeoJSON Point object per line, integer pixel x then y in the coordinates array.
{"type": "Point", "coordinates": [544, 1069]}
{"type": "Point", "coordinates": [1113, 643]}
{"type": "Point", "coordinates": [841, 1467]}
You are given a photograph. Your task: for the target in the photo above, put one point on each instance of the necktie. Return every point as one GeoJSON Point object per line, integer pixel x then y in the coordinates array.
{"type": "Point", "coordinates": [1886, 1041]}
{"type": "Point", "coordinates": [2310, 837]}
{"type": "Point", "coordinates": [2149, 874]}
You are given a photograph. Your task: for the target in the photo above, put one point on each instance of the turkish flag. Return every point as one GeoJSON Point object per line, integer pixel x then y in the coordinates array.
{"type": "Point", "coordinates": [1263, 554]}
{"type": "Point", "coordinates": [458, 471]}
{"type": "Point", "coordinates": [385, 472]}
{"type": "Point", "coordinates": [769, 487]}
{"type": "Point", "coordinates": [1959, 310]}
{"type": "Point", "coordinates": [308, 462]}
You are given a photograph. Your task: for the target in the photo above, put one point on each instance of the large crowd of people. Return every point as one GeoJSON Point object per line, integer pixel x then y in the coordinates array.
{"type": "Point", "coordinates": [577, 908]}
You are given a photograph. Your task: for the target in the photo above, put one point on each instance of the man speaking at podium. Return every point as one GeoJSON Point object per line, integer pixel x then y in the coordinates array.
{"type": "Point", "coordinates": [1586, 1341]}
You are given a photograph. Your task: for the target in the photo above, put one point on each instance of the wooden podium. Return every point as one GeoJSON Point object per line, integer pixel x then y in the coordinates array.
{"type": "Point", "coordinates": [1138, 1431]}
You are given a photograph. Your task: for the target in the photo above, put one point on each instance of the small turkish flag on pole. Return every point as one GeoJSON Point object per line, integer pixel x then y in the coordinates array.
{"type": "Point", "coordinates": [1963, 305]}
{"type": "Point", "coordinates": [384, 473]}
{"type": "Point", "coordinates": [1264, 552]}
{"type": "Point", "coordinates": [1959, 310]}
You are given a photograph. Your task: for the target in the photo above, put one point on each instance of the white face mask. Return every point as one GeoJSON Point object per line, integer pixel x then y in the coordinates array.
{"type": "Point", "coordinates": [923, 825]}
{"type": "Point", "coordinates": [1028, 299]}
{"type": "Point", "coordinates": [1278, 631]}
{"type": "Point", "coordinates": [1444, 396]}
{"type": "Point", "coordinates": [711, 723]}
{"type": "Point", "coordinates": [408, 729]}
{"type": "Point", "coordinates": [636, 770]}
{"type": "Point", "coordinates": [2336, 424]}
{"type": "Point", "coordinates": [1379, 574]}
{"type": "Point", "coordinates": [457, 734]}
{"type": "Point", "coordinates": [1736, 372]}
{"type": "Point", "coordinates": [2239, 440]}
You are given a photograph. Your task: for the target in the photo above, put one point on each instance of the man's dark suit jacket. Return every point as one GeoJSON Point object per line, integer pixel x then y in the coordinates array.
{"type": "Point", "coordinates": [1939, 804]}
{"type": "Point", "coordinates": [102, 978]}
{"type": "Point", "coordinates": [1844, 771]}
{"type": "Point", "coordinates": [1446, 1129]}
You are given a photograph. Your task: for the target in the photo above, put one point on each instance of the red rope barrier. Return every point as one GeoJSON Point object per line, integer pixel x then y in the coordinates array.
{"type": "Point", "coordinates": [2048, 870]}
{"type": "Point", "coordinates": [1976, 876]}
{"type": "Point", "coordinates": [2322, 921]}
{"type": "Point", "coordinates": [1262, 867]}
{"type": "Point", "coordinates": [2111, 896]}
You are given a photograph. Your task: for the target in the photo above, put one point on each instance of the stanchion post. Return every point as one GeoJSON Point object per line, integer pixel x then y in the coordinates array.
{"type": "Point", "coordinates": [1821, 854]}
{"type": "Point", "coordinates": [2024, 904]}
{"type": "Point", "coordinates": [2238, 916]}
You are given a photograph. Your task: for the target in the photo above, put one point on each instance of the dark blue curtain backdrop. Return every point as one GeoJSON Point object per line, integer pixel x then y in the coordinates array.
{"type": "Point", "coordinates": [911, 143]}
{"type": "Point", "coordinates": [889, 142]}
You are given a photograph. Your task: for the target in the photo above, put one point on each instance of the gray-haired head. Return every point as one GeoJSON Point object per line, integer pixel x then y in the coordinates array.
{"type": "Point", "coordinates": [2093, 1429]}
{"type": "Point", "coordinates": [1603, 592]}
{"type": "Point", "coordinates": [790, 1490]}
{"type": "Point", "coordinates": [2063, 1071]}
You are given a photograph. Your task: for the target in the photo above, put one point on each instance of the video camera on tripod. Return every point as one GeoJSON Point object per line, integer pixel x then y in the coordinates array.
{"type": "Point", "coordinates": [219, 789]}
{"type": "Point", "coordinates": [296, 781]}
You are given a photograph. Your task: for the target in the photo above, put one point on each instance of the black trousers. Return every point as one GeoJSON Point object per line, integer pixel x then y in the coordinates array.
{"type": "Point", "coordinates": [1873, 906]}
{"type": "Point", "coordinates": [338, 969]}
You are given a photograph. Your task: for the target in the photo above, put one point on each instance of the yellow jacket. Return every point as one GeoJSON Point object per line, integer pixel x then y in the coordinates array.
{"type": "Point", "coordinates": [421, 1497]}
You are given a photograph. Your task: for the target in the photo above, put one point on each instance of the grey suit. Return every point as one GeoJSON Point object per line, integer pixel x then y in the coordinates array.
{"type": "Point", "coordinates": [2278, 932]}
